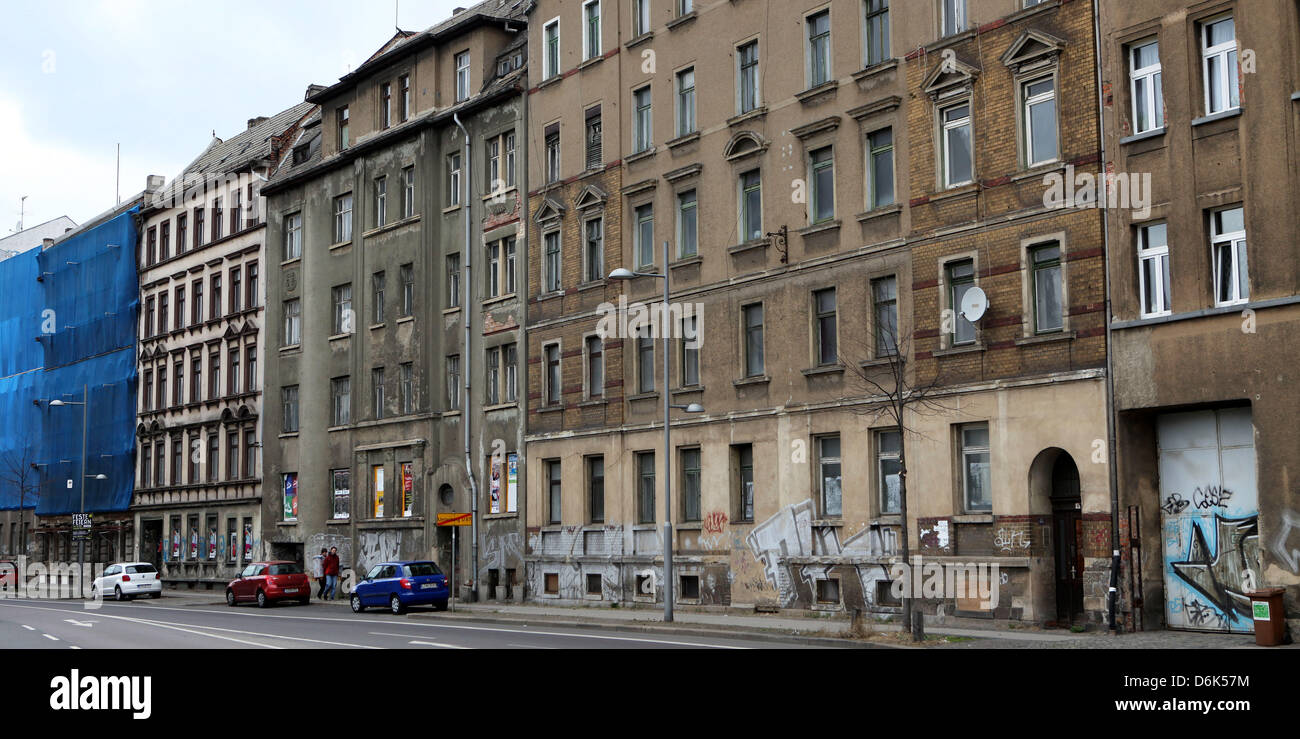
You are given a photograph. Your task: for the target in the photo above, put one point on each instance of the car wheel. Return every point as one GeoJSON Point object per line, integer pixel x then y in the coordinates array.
{"type": "Point", "coordinates": [356, 604]}
{"type": "Point", "coordinates": [395, 605]}
{"type": "Point", "coordinates": [262, 602]}
{"type": "Point", "coordinates": [156, 595]}
{"type": "Point", "coordinates": [117, 594]}
{"type": "Point", "coordinates": [304, 601]}
{"type": "Point", "coordinates": [440, 606]}
{"type": "Point", "coordinates": [230, 598]}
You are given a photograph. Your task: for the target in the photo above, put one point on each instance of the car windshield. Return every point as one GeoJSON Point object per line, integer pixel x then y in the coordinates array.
{"type": "Point", "coordinates": [141, 569]}
{"type": "Point", "coordinates": [418, 569]}
{"type": "Point", "coordinates": [291, 569]}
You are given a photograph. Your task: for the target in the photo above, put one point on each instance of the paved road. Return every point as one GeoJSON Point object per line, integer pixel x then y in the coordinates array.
{"type": "Point", "coordinates": [183, 623]}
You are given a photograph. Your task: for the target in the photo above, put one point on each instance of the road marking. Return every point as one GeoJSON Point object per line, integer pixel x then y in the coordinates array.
{"type": "Point", "coordinates": [159, 625]}
{"type": "Point", "coordinates": [74, 647]}
{"type": "Point", "coordinates": [51, 638]}
{"type": "Point", "coordinates": [75, 622]}
{"type": "Point", "coordinates": [590, 636]}
{"type": "Point", "coordinates": [25, 626]}
{"type": "Point", "coordinates": [528, 646]}
{"type": "Point", "coordinates": [436, 644]}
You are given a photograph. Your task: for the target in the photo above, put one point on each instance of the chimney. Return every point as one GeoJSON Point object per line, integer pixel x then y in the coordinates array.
{"type": "Point", "coordinates": [457, 11]}
{"type": "Point", "coordinates": [312, 90]}
{"type": "Point", "coordinates": [257, 121]}
{"type": "Point", "coordinates": [154, 183]}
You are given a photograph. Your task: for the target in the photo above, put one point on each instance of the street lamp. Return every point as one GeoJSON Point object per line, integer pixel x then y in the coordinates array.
{"type": "Point", "coordinates": [627, 274]}
{"type": "Point", "coordinates": [85, 428]}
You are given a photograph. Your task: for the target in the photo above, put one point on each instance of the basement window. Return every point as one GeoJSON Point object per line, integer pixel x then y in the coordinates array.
{"type": "Point", "coordinates": [690, 587]}
{"type": "Point", "coordinates": [552, 583]}
{"type": "Point", "coordinates": [594, 585]}
{"type": "Point", "coordinates": [885, 594]}
{"type": "Point", "coordinates": [828, 591]}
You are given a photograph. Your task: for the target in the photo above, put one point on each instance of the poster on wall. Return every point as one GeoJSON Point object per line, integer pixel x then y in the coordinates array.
{"type": "Point", "coordinates": [176, 544]}
{"type": "Point", "coordinates": [379, 491]}
{"type": "Point", "coordinates": [494, 487]}
{"type": "Point", "coordinates": [512, 483]}
{"type": "Point", "coordinates": [194, 543]}
{"type": "Point", "coordinates": [248, 541]}
{"type": "Point", "coordinates": [291, 496]}
{"type": "Point", "coordinates": [212, 543]}
{"type": "Point", "coordinates": [408, 490]}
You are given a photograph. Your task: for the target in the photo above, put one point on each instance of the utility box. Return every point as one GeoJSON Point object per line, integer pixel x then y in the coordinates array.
{"type": "Point", "coordinates": [1270, 618]}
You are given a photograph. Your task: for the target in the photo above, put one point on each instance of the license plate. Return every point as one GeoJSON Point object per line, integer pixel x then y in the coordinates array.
{"type": "Point", "coordinates": [291, 590]}
{"type": "Point", "coordinates": [429, 586]}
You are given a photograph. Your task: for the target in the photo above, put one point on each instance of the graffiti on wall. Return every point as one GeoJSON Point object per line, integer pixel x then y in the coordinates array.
{"type": "Point", "coordinates": [502, 552]}
{"type": "Point", "coordinates": [1287, 554]}
{"type": "Point", "coordinates": [1011, 540]}
{"type": "Point", "coordinates": [377, 547]}
{"type": "Point", "coordinates": [1224, 576]}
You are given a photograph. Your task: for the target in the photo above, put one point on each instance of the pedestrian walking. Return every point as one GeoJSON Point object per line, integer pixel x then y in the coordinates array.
{"type": "Point", "coordinates": [318, 572]}
{"type": "Point", "coordinates": [330, 565]}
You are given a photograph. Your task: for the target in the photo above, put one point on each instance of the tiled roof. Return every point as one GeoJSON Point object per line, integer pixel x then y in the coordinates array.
{"type": "Point", "coordinates": [249, 145]}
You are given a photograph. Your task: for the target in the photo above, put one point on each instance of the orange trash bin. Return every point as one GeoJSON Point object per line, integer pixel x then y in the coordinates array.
{"type": "Point", "coordinates": [1270, 617]}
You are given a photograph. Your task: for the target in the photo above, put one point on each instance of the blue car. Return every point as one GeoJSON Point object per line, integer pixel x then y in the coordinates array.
{"type": "Point", "coordinates": [400, 585]}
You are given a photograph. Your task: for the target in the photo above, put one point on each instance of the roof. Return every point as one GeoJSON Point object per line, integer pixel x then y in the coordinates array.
{"type": "Point", "coordinates": [30, 238]}
{"type": "Point", "coordinates": [249, 145]}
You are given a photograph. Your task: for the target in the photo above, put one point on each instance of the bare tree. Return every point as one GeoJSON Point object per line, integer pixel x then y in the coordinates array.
{"type": "Point", "coordinates": [18, 471]}
{"type": "Point", "coordinates": [882, 367]}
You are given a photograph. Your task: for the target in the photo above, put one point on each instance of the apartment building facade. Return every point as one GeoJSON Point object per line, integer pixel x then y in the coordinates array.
{"type": "Point", "coordinates": [1201, 102]}
{"type": "Point", "coordinates": [807, 210]}
{"type": "Point", "coordinates": [197, 502]}
{"type": "Point", "coordinates": [372, 369]}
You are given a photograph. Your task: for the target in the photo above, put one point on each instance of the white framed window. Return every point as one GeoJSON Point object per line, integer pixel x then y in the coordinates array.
{"type": "Point", "coordinates": [551, 353]}
{"type": "Point", "coordinates": [956, 153]}
{"type": "Point", "coordinates": [453, 180]}
{"type": "Point", "coordinates": [640, 17]}
{"type": "Point", "coordinates": [889, 444]}
{"type": "Point", "coordinates": [687, 224]}
{"type": "Point", "coordinates": [292, 240]}
{"type": "Point", "coordinates": [594, 348]}
{"type": "Point", "coordinates": [884, 315]}
{"type": "Point", "coordinates": [1039, 115]}
{"type": "Point", "coordinates": [961, 278]}
{"type": "Point", "coordinates": [1219, 64]}
{"type": "Point", "coordinates": [829, 480]}
{"type": "Point", "coordinates": [953, 17]}
{"type": "Point", "coordinates": [408, 192]}
{"type": "Point", "coordinates": [819, 47]}
{"type": "Point", "coordinates": [643, 120]}
{"type": "Point", "coordinates": [462, 76]}
{"type": "Point", "coordinates": [593, 246]}
{"type": "Point", "coordinates": [875, 32]}
{"type": "Point", "coordinates": [552, 153]}
{"type": "Point", "coordinates": [591, 47]}
{"type": "Point", "coordinates": [1153, 269]}
{"type": "Point", "coordinates": [1228, 242]}
{"type": "Point", "coordinates": [381, 201]}
{"type": "Point", "coordinates": [686, 101]}
{"type": "Point", "coordinates": [645, 235]}
{"type": "Point", "coordinates": [753, 346]}
{"type": "Point", "coordinates": [751, 205]}
{"type": "Point", "coordinates": [1145, 86]}
{"type": "Point", "coordinates": [551, 48]}
{"type": "Point", "coordinates": [1047, 287]}
{"type": "Point", "coordinates": [343, 218]}
{"type": "Point", "coordinates": [453, 382]}
{"type": "Point", "coordinates": [747, 77]}
{"type": "Point", "coordinates": [821, 174]}
{"type": "Point", "coordinates": [551, 261]}
{"type": "Point", "coordinates": [977, 491]}
{"type": "Point", "coordinates": [880, 168]}
{"type": "Point", "coordinates": [689, 352]}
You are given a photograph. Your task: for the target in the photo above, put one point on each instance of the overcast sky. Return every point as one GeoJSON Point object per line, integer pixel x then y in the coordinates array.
{"type": "Point", "coordinates": [77, 77]}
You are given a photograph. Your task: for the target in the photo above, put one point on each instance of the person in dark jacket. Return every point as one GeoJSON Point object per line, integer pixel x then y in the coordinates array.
{"type": "Point", "coordinates": [331, 568]}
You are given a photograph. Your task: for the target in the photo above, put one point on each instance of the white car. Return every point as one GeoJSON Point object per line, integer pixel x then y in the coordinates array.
{"type": "Point", "coordinates": [126, 580]}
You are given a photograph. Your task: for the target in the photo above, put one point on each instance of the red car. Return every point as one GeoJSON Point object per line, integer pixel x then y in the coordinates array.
{"type": "Point", "coordinates": [267, 582]}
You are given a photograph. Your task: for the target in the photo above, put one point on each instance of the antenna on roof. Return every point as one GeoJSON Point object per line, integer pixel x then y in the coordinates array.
{"type": "Point", "coordinates": [397, 5]}
{"type": "Point", "coordinates": [117, 186]}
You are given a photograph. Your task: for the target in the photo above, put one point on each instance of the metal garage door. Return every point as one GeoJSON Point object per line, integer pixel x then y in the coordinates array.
{"type": "Point", "coordinates": [1209, 518]}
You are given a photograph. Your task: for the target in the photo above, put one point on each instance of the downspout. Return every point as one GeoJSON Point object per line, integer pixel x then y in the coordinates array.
{"type": "Point", "coordinates": [467, 289]}
{"type": "Point", "coordinates": [1111, 456]}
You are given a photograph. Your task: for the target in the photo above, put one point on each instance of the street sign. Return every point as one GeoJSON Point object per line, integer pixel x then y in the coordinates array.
{"type": "Point", "coordinates": [455, 519]}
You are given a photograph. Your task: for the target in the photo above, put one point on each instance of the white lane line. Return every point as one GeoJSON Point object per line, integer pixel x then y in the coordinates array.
{"type": "Point", "coordinates": [74, 647]}
{"type": "Point", "coordinates": [161, 626]}
{"type": "Point", "coordinates": [51, 638]}
{"type": "Point", "coordinates": [528, 646]}
{"type": "Point", "coordinates": [436, 644]}
{"type": "Point", "coordinates": [588, 636]}
{"type": "Point", "coordinates": [25, 626]}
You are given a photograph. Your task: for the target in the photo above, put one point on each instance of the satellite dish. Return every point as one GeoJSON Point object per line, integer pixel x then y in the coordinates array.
{"type": "Point", "coordinates": [973, 304]}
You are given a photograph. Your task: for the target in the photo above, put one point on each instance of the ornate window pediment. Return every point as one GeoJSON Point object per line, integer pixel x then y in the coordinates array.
{"type": "Point", "coordinates": [1032, 49]}
{"type": "Point", "coordinates": [949, 77]}
{"type": "Point", "coordinates": [550, 210]}
{"type": "Point", "coordinates": [590, 197]}
{"type": "Point", "coordinates": [744, 144]}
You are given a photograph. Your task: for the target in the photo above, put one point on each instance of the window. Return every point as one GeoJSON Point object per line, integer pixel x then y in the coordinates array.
{"type": "Point", "coordinates": [342, 219]}
{"type": "Point", "coordinates": [152, 240]}
{"type": "Point", "coordinates": [408, 388]}
{"type": "Point", "coordinates": [216, 218]}
{"type": "Point", "coordinates": [1040, 121]}
{"type": "Point", "coordinates": [293, 236]}
{"type": "Point", "coordinates": [377, 390]}
{"type": "Point", "coordinates": [642, 122]}
{"type": "Point", "coordinates": [232, 456]}
{"type": "Point", "coordinates": [690, 461]}
{"type": "Point", "coordinates": [493, 152]}
{"type": "Point", "coordinates": [975, 467]}
{"type": "Point", "coordinates": [178, 382]}
{"type": "Point", "coordinates": [884, 306]}
{"type": "Point", "coordinates": [492, 370]}
{"type": "Point", "coordinates": [214, 374]}
{"type": "Point", "coordinates": [957, 155]}
{"type": "Point", "coordinates": [591, 26]}
{"type": "Point", "coordinates": [508, 144]}
{"type": "Point", "coordinates": [645, 490]}
{"type": "Point", "coordinates": [404, 85]}
{"type": "Point", "coordinates": [685, 6]}
{"type": "Point", "coordinates": [178, 468]}
{"type": "Point", "coordinates": [510, 358]}
{"type": "Point", "coordinates": [743, 459]}
{"type": "Point", "coordinates": [146, 463]}
{"type": "Point", "coordinates": [408, 192]}
{"type": "Point", "coordinates": [747, 96]}
{"type": "Point", "coordinates": [551, 49]}
{"type": "Point", "coordinates": [342, 123]}
{"type": "Point", "coordinates": [342, 295]}
{"type": "Point", "coordinates": [595, 138]}
{"type": "Point", "coordinates": [381, 201]}
{"type": "Point", "coordinates": [148, 317]}
{"type": "Point", "coordinates": [199, 215]}
{"type": "Point", "coordinates": [876, 32]}
{"type": "Point", "coordinates": [1145, 87]}
{"type": "Point", "coordinates": [341, 401]}
{"type": "Point", "coordinates": [593, 247]}
{"type": "Point", "coordinates": [551, 262]}
{"type": "Point", "coordinates": [553, 153]}
{"type": "Point", "coordinates": [215, 307]}
{"type": "Point", "coordinates": [250, 380]}
{"type": "Point", "coordinates": [164, 311]}
{"type": "Point", "coordinates": [825, 333]}
{"type": "Point", "coordinates": [645, 361]}
{"type": "Point", "coordinates": [554, 512]}
{"type": "Point", "coordinates": [236, 289]}
{"type": "Point", "coordinates": [690, 351]}
{"type": "Point", "coordinates": [181, 231]}
{"type": "Point", "coordinates": [751, 206]}
{"type": "Point", "coordinates": [233, 376]}
{"type": "Point", "coordinates": [453, 280]}
{"type": "Point", "coordinates": [493, 276]}
{"type": "Point", "coordinates": [595, 489]}
{"type": "Point", "coordinates": [1045, 262]}
{"type": "Point", "coordinates": [342, 480]}
{"type": "Point", "coordinates": [889, 444]}
{"type": "Point", "coordinates": [292, 322]}
{"type": "Point", "coordinates": [453, 180]}
{"type": "Point", "coordinates": [162, 387]}
{"type": "Point", "coordinates": [1231, 279]}
{"type": "Point", "coordinates": [640, 17]}
{"type": "Point", "coordinates": [407, 274]}
{"type": "Point", "coordinates": [880, 168]}
{"type": "Point", "coordinates": [377, 297]}
{"type": "Point", "coordinates": [453, 382]}
{"type": "Point", "coordinates": [214, 458]}
{"type": "Point", "coordinates": [595, 367]}
{"type": "Point", "coordinates": [196, 311]}
{"type": "Point", "coordinates": [753, 349]}
{"type": "Point", "coordinates": [165, 240]}
{"type": "Point", "coordinates": [377, 504]}
{"type": "Point", "coordinates": [253, 297]}
{"type": "Point", "coordinates": [687, 224]}
{"type": "Point", "coordinates": [462, 76]}
{"type": "Point", "coordinates": [552, 354]}
{"type": "Point", "coordinates": [196, 377]}
{"type": "Point", "coordinates": [1219, 65]}
{"type": "Point", "coordinates": [686, 101]}
{"type": "Point", "coordinates": [961, 277]}
{"type": "Point", "coordinates": [954, 17]}
{"type": "Point", "coordinates": [819, 48]}
{"type": "Point", "coordinates": [645, 235]}
{"type": "Point", "coordinates": [828, 476]}
{"type": "Point", "coordinates": [822, 173]}
{"type": "Point", "coordinates": [250, 453]}
{"type": "Point", "coordinates": [1153, 269]}
{"type": "Point", "coordinates": [236, 211]}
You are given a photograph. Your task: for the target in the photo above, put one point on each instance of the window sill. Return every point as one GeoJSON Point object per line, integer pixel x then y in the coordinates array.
{"type": "Point", "coordinates": [281, 523]}
{"type": "Point", "coordinates": [550, 409]}
{"type": "Point", "coordinates": [291, 262]}
{"type": "Point", "coordinates": [642, 396]}
{"type": "Point", "coordinates": [1039, 170]}
{"type": "Point", "coordinates": [1046, 338]}
{"type": "Point", "coordinates": [451, 414]}
{"type": "Point", "coordinates": [498, 299]}
{"type": "Point", "coordinates": [340, 245]}
{"type": "Point", "coordinates": [641, 155]}
{"type": "Point", "coordinates": [875, 69]}
{"type": "Point", "coordinates": [688, 390]}
{"type": "Point", "coordinates": [754, 114]}
{"type": "Point", "coordinates": [498, 194]}
{"type": "Point", "coordinates": [338, 522]}
{"type": "Point", "coordinates": [747, 246]}
{"type": "Point", "coordinates": [288, 435]}
{"type": "Point", "coordinates": [290, 348]}
{"type": "Point", "coordinates": [554, 79]}
{"type": "Point", "coordinates": [339, 337]}
{"type": "Point", "coordinates": [881, 212]}
{"type": "Point", "coordinates": [592, 285]}
{"type": "Point", "coordinates": [973, 518]}
{"type": "Point", "coordinates": [815, 94]}
{"type": "Point", "coordinates": [639, 40]}
{"type": "Point", "coordinates": [593, 403]}
{"type": "Point", "coordinates": [963, 349]}
{"type": "Point", "coordinates": [377, 326]}
{"type": "Point", "coordinates": [761, 380]}
{"type": "Point", "coordinates": [390, 227]}
{"type": "Point", "coordinates": [450, 311]}
{"type": "Point", "coordinates": [501, 407]}
{"type": "Point", "coordinates": [590, 62]}
{"type": "Point", "coordinates": [550, 295]}
{"type": "Point", "coordinates": [690, 261]}
{"type": "Point", "coordinates": [683, 140]}
{"type": "Point", "coordinates": [1221, 115]}
{"type": "Point", "coordinates": [887, 519]}
{"type": "Point", "coordinates": [333, 429]}
{"type": "Point", "coordinates": [878, 362]}
{"type": "Point", "coordinates": [681, 20]}
{"type": "Point", "coordinates": [831, 369]}
{"type": "Point", "coordinates": [450, 209]}
{"type": "Point", "coordinates": [956, 191]}
{"type": "Point", "coordinates": [819, 228]}
{"type": "Point", "coordinates": [1153, 133]}
{"type": "Point", "coordinates": [827, 523]}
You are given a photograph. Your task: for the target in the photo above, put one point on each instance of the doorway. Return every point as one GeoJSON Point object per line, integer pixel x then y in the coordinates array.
{"type": "Point", "coordinates": [151, 542]}
{"type": "Point", "coordinates": [1067, 531]}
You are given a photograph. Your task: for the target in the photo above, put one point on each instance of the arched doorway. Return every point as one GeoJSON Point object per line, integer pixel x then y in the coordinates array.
{"type": "Point", "coordinates": [1067, 524]}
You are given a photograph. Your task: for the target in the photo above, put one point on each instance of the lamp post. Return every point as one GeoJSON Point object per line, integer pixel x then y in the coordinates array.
{"type": "Point", "coordinates": [85, 428]}
{"type": "Point", "coordinates": [627, 274]}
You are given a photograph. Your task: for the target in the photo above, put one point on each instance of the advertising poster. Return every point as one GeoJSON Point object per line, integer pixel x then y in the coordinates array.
{"type": "Point", "coordinates": [512, 483]}
{"type": "Point", "coordinates": [494, 488]}
{"type": "Point", "coordinates": [291, 496]}
{"type": "Point", "coordinates": [379, 492]}
{"type": "Point", "coordinates": [408, 490]}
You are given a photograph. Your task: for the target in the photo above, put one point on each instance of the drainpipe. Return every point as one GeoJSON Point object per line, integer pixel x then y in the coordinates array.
{"type": "Point", "coordinates": [1112, 595]}
{"type": "Point", "coordinates": [467, 291]}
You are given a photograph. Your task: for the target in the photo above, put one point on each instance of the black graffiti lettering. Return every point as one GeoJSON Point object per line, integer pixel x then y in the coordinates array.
{"type": "Point", "coordinates": [1174, 504]}
{"type": "Point", "coordinates": [1200, 614]}
{"type": "Point", "coordinates": [1212, 496]}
